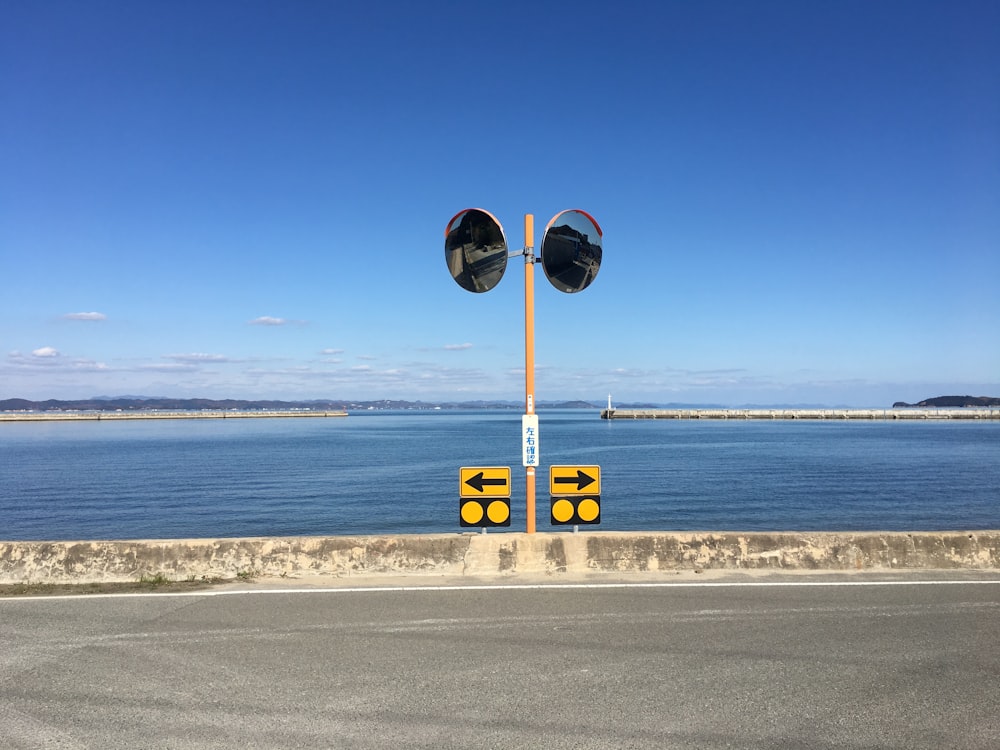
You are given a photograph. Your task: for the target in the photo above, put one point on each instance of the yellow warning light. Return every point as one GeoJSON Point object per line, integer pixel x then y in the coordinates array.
{"type": "Point", "coordinates": [481, 512]}
{"type": "Point", "coordinates": [576, 510]}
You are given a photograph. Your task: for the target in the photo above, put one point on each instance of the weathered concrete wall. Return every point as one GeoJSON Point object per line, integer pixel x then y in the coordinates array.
{"type": "Point", "coordinates": [965, 412]}
{"type": "Point", "coordinates": [491, 555]}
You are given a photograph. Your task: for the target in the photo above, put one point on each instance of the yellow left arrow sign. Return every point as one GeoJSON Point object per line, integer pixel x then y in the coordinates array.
{"type": "Point", "coordinates": [484, 481]}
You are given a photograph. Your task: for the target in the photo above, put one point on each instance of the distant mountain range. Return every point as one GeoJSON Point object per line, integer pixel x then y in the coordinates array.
{"type": "Point", "coordinates": [952, 402]}
{"type": "Point", "coordinates": [139, 403]}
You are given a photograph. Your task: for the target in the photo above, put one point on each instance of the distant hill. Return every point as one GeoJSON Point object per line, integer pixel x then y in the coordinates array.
{"type": "Point", "coordinates": [130, 403]}
{"type": "Point", "coordinates": [952, 402]}
{"type": "Point", "coordinates": [140, 403]}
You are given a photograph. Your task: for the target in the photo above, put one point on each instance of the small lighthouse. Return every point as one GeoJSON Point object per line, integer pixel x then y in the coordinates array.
{"type": "Point", "coordinates": [606, 414]}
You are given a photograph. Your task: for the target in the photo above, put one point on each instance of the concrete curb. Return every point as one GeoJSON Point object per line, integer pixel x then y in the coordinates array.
{"type": "Point", "coordinates": [505, 554]}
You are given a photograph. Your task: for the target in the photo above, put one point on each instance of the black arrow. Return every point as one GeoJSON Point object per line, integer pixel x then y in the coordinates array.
{"type": "Point", "coordinates": [478, 481]}
{"type": "Point", "coordinates": [581, 480]}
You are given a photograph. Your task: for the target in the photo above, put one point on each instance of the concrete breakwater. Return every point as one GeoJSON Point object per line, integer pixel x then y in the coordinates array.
{"type": "Point", "coordinates": [69, 416]}
{"type": "Point", "coordinates": [501, 554]}
{"type": "Point", "coordinates": [889, 414]}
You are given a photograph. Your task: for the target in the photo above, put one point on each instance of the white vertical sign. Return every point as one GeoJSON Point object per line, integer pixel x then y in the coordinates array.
{"type": "Point", "coordinates": [529, 441]}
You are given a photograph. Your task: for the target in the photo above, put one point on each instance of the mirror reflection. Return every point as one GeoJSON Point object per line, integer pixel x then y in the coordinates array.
{"type": "Point", "coordinates": [475, 250]}
{"type": "Point", "coordinates": [571, 250]}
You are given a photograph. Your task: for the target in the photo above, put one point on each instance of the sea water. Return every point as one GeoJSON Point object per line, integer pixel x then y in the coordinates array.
{"type": "Point", "coordinates": [398, 472]}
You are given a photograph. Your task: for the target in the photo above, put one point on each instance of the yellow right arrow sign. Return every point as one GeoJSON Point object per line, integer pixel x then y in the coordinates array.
{"type": "Point", "coordinates": [574, 480]}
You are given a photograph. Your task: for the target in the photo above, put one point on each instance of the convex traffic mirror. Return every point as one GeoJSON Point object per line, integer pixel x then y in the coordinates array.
{"type": "Point", "coordinates": [475, 249]}
{"type": "Point", "coordinates": [571, 250]}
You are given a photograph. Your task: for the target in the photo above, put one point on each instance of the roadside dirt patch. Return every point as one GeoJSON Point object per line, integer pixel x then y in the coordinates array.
{"type": "Point", "coordinates": [82, 589]}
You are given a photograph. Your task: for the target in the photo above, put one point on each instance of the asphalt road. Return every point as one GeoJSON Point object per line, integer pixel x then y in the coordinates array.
{"type": "Point", "coordinates": [748, 665]}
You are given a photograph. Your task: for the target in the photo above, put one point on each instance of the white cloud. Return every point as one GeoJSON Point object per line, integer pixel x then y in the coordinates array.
{"type": "Point", "coordinates": [85, 316]}
{"type": "Point", "coordinates": [51, 362]}
{"type": "Point", "coordinates": [88, 365]}
{"type": "Point", "coordinates": [457, 347]}
{"type": "Point", "coordinates": [331, 352]}
{"type": "Point", "coordinates": [168, 367]}
{"type": "Point", "coordinates": [197, 357]}
{"type": "Point", "coordinates": [267, 320]}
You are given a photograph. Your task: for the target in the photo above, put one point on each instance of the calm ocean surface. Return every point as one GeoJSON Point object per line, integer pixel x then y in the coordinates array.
{"type": "Point", "coordinates": [397, 472]}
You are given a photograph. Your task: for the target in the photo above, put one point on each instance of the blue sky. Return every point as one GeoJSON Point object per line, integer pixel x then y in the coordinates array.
{"type": "Point", "coordinates": [800, 200]}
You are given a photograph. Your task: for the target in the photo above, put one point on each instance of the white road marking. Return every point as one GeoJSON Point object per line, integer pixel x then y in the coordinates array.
{"type": "Point", "coordinates": [498, 587]}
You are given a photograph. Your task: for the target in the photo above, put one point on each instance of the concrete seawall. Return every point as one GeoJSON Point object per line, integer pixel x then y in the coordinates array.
{"type": "Point", "coordinates": [504, 554]}
{"type": "Point", "coordinates": [908, 413]}
{"type": "Point", "coordinates": [111, 416]}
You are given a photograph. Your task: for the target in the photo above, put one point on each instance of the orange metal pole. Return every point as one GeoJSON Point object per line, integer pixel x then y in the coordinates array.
{"type": "Point", "coordinates": [529, 356]}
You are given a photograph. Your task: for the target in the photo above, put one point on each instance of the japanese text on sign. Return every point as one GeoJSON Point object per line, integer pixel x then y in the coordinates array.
{"type": "Point", "coordinates": [529, 429]}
